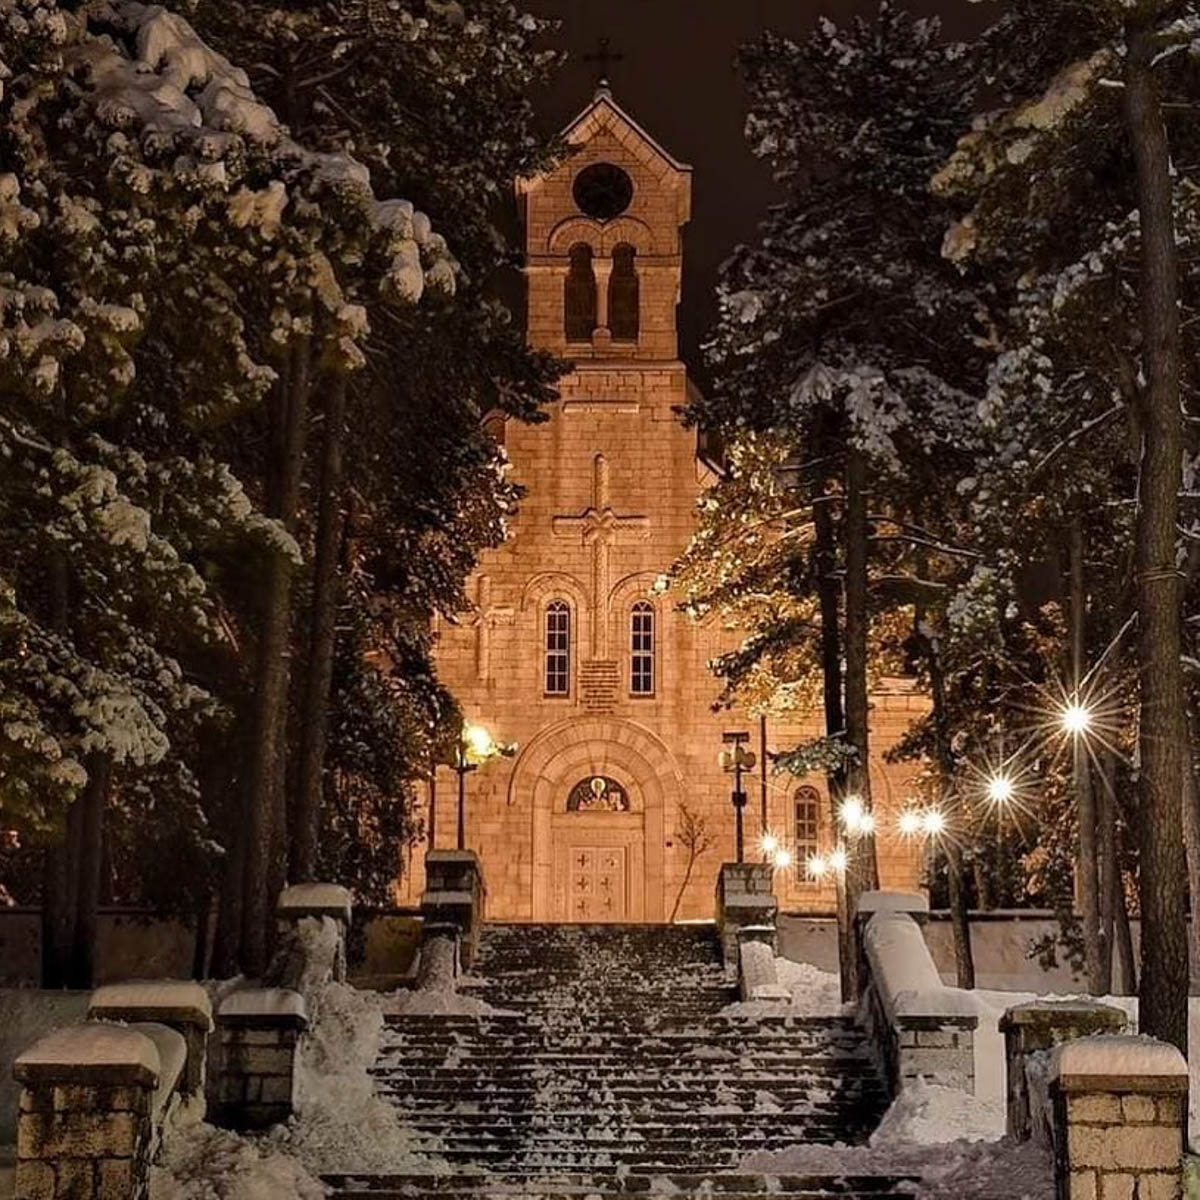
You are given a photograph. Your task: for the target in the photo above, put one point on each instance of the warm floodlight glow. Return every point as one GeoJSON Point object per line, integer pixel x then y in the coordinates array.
{"type": "Point", "coordinates": [769, 844]}
{"type": "Point", "coordinates": [477, 741]}
{"type": "Point", "coordinates": [839, 860]}
{"type": "Point", "coordinates": [1000, 789]}
{"type": "Point", "coordinates": [852, 813]}
{"type": "Point", "coordinates": [818, 868]}
{"type": "Point", "coordinates": [1075, 718]}
{"type": "Point", "coordinates": [867, 823]}
{"type": "Point", "coordinates": [783, 859]}
{"type": "Point", "coordinates": [910, 823]}
{"type": "Point", "coordinates": [933, 822]}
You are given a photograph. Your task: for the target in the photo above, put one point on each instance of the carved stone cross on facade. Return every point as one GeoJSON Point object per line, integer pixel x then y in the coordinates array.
{"type": "Point", "coordinates": [486, 617]}
{"type": "Point", "coordinates": [599, 528]}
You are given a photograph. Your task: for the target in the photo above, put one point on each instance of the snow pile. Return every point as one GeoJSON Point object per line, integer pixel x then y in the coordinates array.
{"type": "Point", "coordinates": [814, 993]}
{"type": "Point", "coordinates": [926, 1114]}
{"type": "Point", "coordinates": [341, 1125]}
{"type": "Point", "coordinates": [203, 1163]}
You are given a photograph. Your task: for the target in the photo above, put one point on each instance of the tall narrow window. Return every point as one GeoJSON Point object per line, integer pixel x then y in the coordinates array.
{"type": "Point", "coordinates": [579, 295]}
{"type": "Point", "coordinates": [558, 649]}
{"type": "Point", "coordinates": [623, 295]}
{"type": "Point", "coordinates": [641, 649]}
{"type": "Point", "coordinates": [808, 829]}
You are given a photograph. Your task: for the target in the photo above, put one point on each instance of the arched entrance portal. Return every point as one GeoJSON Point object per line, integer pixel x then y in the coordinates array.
{"type": "Point", "coordinates": [599, 790]}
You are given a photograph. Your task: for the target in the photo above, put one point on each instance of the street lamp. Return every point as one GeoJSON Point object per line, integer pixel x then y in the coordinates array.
{"type": "Point", "coordinates": [475, 747]}
{"type": "Point", "coordinates": [736, 758]}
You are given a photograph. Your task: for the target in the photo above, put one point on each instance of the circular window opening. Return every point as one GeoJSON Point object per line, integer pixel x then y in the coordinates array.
{"type": "Point", "coordinates": [603, 191]}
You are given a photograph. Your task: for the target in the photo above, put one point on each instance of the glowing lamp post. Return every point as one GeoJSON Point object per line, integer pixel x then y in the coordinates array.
{"type": "Point", "coordinates": [475, 747]}
{"type": "Point", "coordinates": [736, 758]}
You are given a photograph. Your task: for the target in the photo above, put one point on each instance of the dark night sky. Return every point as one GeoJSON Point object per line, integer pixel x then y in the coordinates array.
{"type": "Point", "coordinates": [677, 79]}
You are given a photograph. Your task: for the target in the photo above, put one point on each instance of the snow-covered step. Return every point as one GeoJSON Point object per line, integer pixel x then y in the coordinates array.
{"type": "Point", "coordinates": [614, 1069]}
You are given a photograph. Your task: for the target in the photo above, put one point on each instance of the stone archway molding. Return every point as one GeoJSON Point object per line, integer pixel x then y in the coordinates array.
{"type": "Point", "coordinates": [563, 753]}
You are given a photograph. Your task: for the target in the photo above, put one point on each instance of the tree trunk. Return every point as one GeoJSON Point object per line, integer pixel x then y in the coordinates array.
{"type": "Point", "coordinates": [863, 871]}
{"type": "Point", "coordinates": [322, 640]}
{"type": "Point", "coordinates": [265, 832]}
{"type": "Point", "coordinates": [57, 916]}
{"type": "Point", "coordinates": [829, 598]}
{"type": "Point", "coordinates": [1110, 871]}
{"type": "Point", "coordinates": [960, 918]}
{"type": "Point", "coordinates": [1087, 868]}
{"type": "Point", "coordinates": [1162, 873]}
{"type": "Point", "coordinates": [84, 933]}
{"type": "Point", "coordinates": [1126, 963]}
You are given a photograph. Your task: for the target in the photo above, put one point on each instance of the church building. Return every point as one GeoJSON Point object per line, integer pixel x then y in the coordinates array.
{"type": "Point", "coordinates": [570, 652]}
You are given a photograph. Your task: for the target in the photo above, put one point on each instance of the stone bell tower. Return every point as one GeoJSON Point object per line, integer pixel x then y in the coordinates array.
{"type": "Point", "coordinates": [604, 243]}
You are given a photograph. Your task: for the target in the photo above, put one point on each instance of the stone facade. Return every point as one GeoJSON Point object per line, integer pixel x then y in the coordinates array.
{"type": "Point", "coordinates": [612, 482]}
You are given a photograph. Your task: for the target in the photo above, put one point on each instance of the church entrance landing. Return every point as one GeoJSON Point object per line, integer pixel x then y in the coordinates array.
{"type": "Point", "coordinates": [600, 790]}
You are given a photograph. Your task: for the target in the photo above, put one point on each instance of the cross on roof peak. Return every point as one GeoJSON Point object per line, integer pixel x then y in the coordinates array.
{"type": "Point", "coordinates": [604, 56]}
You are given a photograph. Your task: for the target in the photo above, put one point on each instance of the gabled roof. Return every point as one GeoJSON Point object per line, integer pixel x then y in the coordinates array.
{"type": "Point", "coordinates": [605, 113]}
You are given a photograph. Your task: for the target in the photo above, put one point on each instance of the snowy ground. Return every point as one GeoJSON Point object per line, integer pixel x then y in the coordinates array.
{"type": "Point", "coordinates": [341, 1125]}
{"type": "Point", "coordinates": [815, 993]}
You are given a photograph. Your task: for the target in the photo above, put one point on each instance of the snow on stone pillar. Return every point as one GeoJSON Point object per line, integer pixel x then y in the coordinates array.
{"type": "Point", "coordinates": [316, 901]}
{"type": "Point", "coordinates": [85, 1126]}
{"type": "Point", "coordinates": [177, 1003]}
{"type": "Point", "coordinates": [758, 978]}
{"type": "Point", "coordinates": [258, 1032]}
{"type": "Point", "coordinates": [924, 1029]}
{"type": "Point", "coordinates": [453, 901]}
{"type": "Point", "coordinates": [1031, 1031]}
{"type": "Point", "coordinates": [1120, 1111]}
{"type": "Point", "coordinates": [745, 899]}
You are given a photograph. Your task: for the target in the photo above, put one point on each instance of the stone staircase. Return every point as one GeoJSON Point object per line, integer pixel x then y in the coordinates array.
{"type": "Point", "coordinates": [609, 1068]}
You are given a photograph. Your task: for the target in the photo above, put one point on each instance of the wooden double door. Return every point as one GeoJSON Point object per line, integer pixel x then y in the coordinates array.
{"type": "Point", "coordinates": [599, 868]}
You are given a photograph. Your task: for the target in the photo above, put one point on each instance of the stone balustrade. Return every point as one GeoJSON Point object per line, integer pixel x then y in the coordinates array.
{"type": "Point", "coordinates": [1119, 1116]}
{"type": "Point", "coordinates": [745, 901]}
{"type": "Point", "coordinates": [179, 1004]}
{"type": "Point", "coordinates": [1031, 1032]}
{"type": "Point", "coordinates": [90, 1095]}
{"type": "Point", "coordinates": [924, 1029]}
{"type": "Point", "coordinates": [453, 902]}
{"type": "Point", "coordinates": [258, 1031]}
{"type": "Point", "coordinates": [316, 901]}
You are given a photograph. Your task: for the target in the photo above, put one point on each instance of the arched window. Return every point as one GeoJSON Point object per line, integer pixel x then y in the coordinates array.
{"type": "Point", "coordinates": [579, 295]}
{"type": "Point", "coordinates": [558, 649]}
{"type": "Point", "coordinates": [623, 295]}
{"type": "Point", "coordinates": [808, 829]}
{"type": "Point", "coordinates": [641, 649]}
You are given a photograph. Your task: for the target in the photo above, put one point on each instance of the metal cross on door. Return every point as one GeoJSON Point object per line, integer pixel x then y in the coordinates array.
{"type": "Point", "coordinates": [596, 889]}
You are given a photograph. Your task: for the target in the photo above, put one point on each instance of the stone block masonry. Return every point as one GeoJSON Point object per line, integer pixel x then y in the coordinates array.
{"type": "Point", "coordinates": [179, 1004]}
{"type": "Point", "coordinates": [453, 903]}
{"type": "Point", "coordinates": [1120, 1109]}
{"type": "Point", "coordinates": [745, 901]}
{"type": "Point", "coordinates": [924, 1030]}
{"type": "Point", "coordinates": [85, 1127]}
{"type": "Point", "coordinates": [255, 1069]}
{"type": "Point", "coordinates": [1031, 1031]}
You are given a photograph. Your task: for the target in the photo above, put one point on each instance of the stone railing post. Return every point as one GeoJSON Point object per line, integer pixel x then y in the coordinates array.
{"type": "Point", "coordinates": [1031, 1031]}
{"type": "Point", "coordinates": [85, 1129]}
{"type": "Point", "coordinates": [258, 1031]}
{"type": "Point", "coordinates": [924, 1029]}
{"type": "Point", "coordinates": [1119, 1116]}
{"type": "Point", "coordinates": [177, 1003]}
{"type": "Point", "coordinates": [453, 901]}
{"type": "Point", "coordinates": [317, 900]}
{"type": "Point", "coordinates": [745, 901]}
